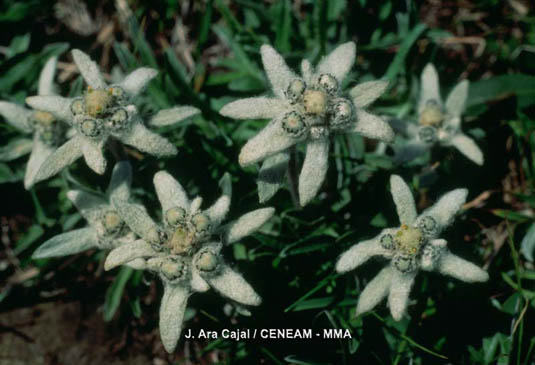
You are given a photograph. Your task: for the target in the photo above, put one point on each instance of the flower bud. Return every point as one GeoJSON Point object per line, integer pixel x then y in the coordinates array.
{"type": "Point", "coordinates": [175, 216]}
{"type": "Point", "coordinates": [328, 83]}
{"type": "Point", "coordinates": [294, 124]}
{"type": "Point", "coordinates": [295, 90]}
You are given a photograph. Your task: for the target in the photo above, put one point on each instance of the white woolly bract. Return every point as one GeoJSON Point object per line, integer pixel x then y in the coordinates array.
{"type": "Point", "coordinates": [65, 155]}
{"type": "Point", "coordinates": [218, 210]}
{"type": "Point", "coordinates": [444, 210]}
{"type": "Point", "coordinates": [360, 253]}
{"type": "Point", "coordinates": [254, 108]}
{"type": "Point", "coordinates": [338, 62]}
{"type": "Point", "coordinates": [367, 92]}
{"type": "Point", "coordinates": [247, 224]}
{"type": "Point", "coordinates": [314, 170]}
{"type": "Point", "coordinates": [232, 285]}
{"type": "Point", "coordinates": [467, 147]}
{"type": "Point", "coordinates": [128, 252]}
{"type": "Point", "coordinates": [398, 296]}
{"type": "Point", "coordinates": [172, 308]}
{"type": "Point", "coordinates": [58, 106]}
{"type": "Point", "coordinates": [452, 265]}
{"type": "Point", "coordinates": [403, 200]}
{"type": "Point", "coordinates": [137, 80]}
{"type": "Point", "coordinates": [372, 126]}
{"type": "Point", "coordinates": [457, 98]}
{"type": "Point", "coordinates": [170, 192]}
{"type": "Point", "coordinates": [173, 115]}
{"type": "Point", "coordinates": [89, 69]}
{"type": "Point", "coordinates": [375, 291]}
{"type": "Point", "coordinates": [67, 243]}
{"type": "Point", "coordinates": [146, 141]}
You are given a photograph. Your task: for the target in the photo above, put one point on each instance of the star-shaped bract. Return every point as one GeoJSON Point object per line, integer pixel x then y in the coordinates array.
{"type": "Point", "coordinates": [105, 229]}
{"type": "Point", "coordinates": [306, 108]}
{"type": "Point", "coordinates": [48, 132]}
{"type": "Point", "coordinates": [105, 111]}
{"type": "Point", "coordinates": [184, 250]}
{"type": "Point", "coordinates": [412, 246]}
{"type": "Point", "coordinates": [439, 122]}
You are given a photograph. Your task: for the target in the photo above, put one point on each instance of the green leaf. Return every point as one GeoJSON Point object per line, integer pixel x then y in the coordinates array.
{"type": "Point", "coordinates": [115, 292]}
{"type": "Point", "coordinates": [283, 24]}
{"type": "Point", "coordinates": [498, 87]}
{"type": "Point", "coordinates": [398, 63]}
{"type": "Point", "coordinates": [33, 234]}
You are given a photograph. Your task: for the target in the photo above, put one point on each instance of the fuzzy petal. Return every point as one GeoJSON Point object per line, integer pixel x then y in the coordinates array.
{"type": "Point", "coordinates": [372, 126]}
{"type": "Point", "coordinates": [339, 61]}
{"type": "Point", "coordinates": [403, 199]}
{"type": "Point", "coordinates": [121, 179]}
{"type": "Point", "coordinates": [375, 291]}
{"type": "Point", "coordinates": [172, 309]}
{"type": "Point", "coordinates": [46, 78]}
{"type": "Point", "coordinates": [67, 243]}
{"type": "Point", "coordinates": [400, 288]}
{"type": "Point", "coordinates": [15, 149]}
{"type": "Point", "coordinates": [173, 115]}
{"type": "Point", "coordinates": [69, 152]}
{"type": "Point", "coordinates": [198, 284]}
{"type": "Point", "coordinates": [232, 285]}
{"type": "Point", "coordinates": [89, 70]}
{"type": "Point", "coordinates": [277, 71]}
{"type": "Point", "coordinates": [89, 205]}
{"type": "Point", "coordinates": [147, 141]}
{"type": "Point", "coordinates": [247, 224]}
{"type": "Point", "coordinates": [457, 99]}
{"type": "Point", "coordinates": [128, 252]}
{"type": "Point", "coordinates": [170, 192]}
{"type": "Point", "coordinates": [40, 153]}
{"type": "Point", "coordinates": [195, 205]}
{"type": "Point", "coordinates": [467, 147]}
{"type": "Point", "coordinates": [306, 71]}
{"type": "Point", "coordinates": [314, 170]}
{"type": "Point", "coordinates": [269, 141]}
{"type": "Point", "coordinates": [135, 217]}
{"type": "Point", "coordinates": [17, 116]}
{"type": "Point", "coordinates": [366, 93]}
{"type": "Point", "coordinates": [453, 265]}
{"type": "Point", "coordinates": [58, 106]}
{"type": "Point", "coordinates": [360, 253]}
{"type": "Point", "coordinates": [254, 108]}
{"type": "Point", "coordinates": [271, 175]}
{"type": "Point", "coordinates": [94, 156]}
{"type": "Point", "coordinates": [137, 80]}
{"type": "Point", "coordinates": [444, 210]}
{"type": "Point", "coordinates": [430, 88]}
{"type": "Point", "coordinates": [218, 210]}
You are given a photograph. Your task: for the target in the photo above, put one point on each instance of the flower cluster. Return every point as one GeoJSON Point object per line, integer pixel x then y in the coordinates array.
{"type": "Point", "coordinates": [306, 108]}
{"type": "Point", "coordinates": [185, 249]}
{"type": "Point", "coordinates": [105, 229]}
{"type": "Point", "coordinates": [102, 112]}
{"type": "Point", "coordinates": [438, 123]}
{"type": "Point", "coordinates": [48, 130]}
{"type": "Point", "coordinates": [413, 246]}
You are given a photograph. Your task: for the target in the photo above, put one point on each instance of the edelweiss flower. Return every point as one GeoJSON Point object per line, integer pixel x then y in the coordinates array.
{"type": "Point", "coordinates": [183, 250]}
{"type": "Point", "coordinates": [106, 229]}
{"type": "Point", "coordinates": [439, 123]}
{"type": "Point", "coordinates": [307, 108]}
{"type": "Point", "coordinates": [413, 246]}
{"type": "Point", "coordinates": [48, 132]}
{"type": "Point", "coordinates": [105, 111]}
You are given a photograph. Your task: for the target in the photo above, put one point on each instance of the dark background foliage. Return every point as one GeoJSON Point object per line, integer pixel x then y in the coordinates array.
{"type": "Point", "coordinates": [69, 310]}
